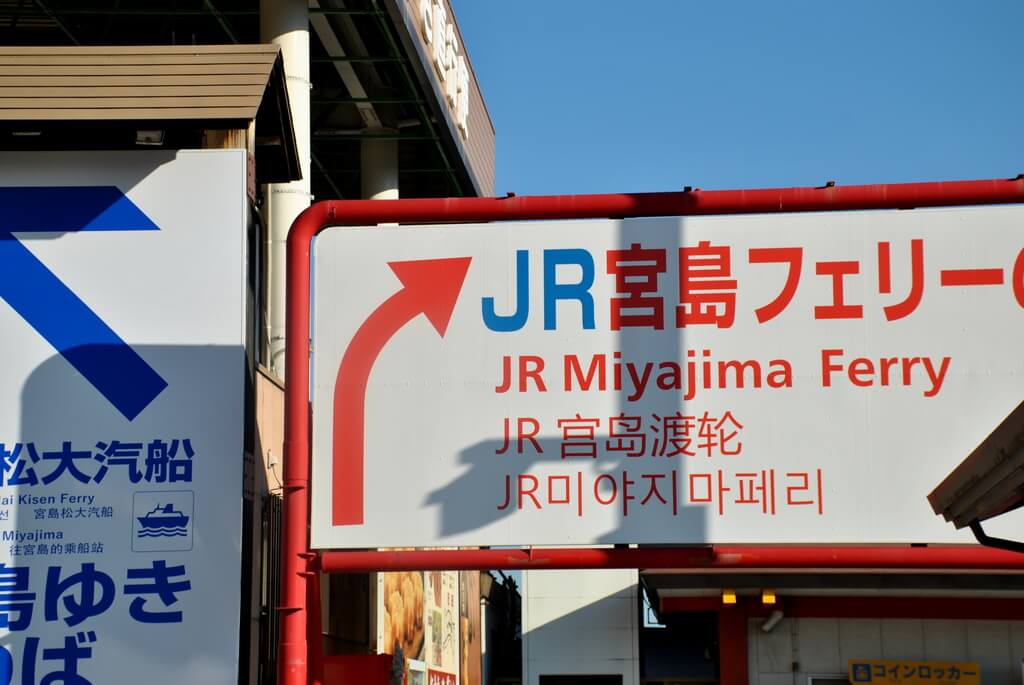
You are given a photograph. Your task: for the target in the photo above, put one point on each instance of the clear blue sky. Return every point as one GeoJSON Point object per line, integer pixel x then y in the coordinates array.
{"type": "Point", "coordinates": [599, 96]}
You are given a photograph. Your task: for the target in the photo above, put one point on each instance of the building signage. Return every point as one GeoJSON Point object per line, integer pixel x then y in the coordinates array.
{"type": "Point", "coordinates": [121, 416]}
{"type": "Point", "coordinates": [441, 37]}
{"type": "Point", "coordinates": [903, 672]}
{"type": "Point", "coordinates": [781, 378]}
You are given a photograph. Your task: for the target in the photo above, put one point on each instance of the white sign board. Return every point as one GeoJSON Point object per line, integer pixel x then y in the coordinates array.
{"type": "Point", "coordinates": [122, 303]}
{"type": "Point", "coordinates": [746, 379]}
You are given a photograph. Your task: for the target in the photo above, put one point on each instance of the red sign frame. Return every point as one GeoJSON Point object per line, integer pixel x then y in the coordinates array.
{"type": "Point", "coordinates": [299, 665]}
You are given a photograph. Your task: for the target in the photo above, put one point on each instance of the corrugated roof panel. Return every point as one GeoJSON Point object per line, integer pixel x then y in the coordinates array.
{"type": "Point", "coordinates": [136, 49]}
{"type": "Point", "coordinates": [140, 90]}
{"type": "Point", "coordinates": [131, 69]}
{"type": "Point", "coordinates": [134, 82]}
{"type": "Point", "coordinates": [135, 59]}
{"type": "Point", "coordinates": [132, 114]}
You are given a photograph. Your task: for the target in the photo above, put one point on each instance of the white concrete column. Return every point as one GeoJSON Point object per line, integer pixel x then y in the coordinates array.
{"type": "Point", "coordinates": [286, 23]}
{"type": "Point", "coordinates": [378, 166]}
{"type": "Point", "coordinates": [581, 622]}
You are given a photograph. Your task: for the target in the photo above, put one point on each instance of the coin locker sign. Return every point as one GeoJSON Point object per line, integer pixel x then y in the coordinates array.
{"type": "Point", "coordinates": [905, 672]}
{"type": "Point", "coordinates": [750, 379]}
{"type": "Point", "coordinates": [122, 303]}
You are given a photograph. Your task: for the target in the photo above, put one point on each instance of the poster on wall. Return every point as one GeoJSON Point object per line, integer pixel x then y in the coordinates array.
{"type": "Point", "coordinates": [470, 661]}
{"type": "Point", "coordinates": [121, 416]}
{"type": "Point", "coordinates": [418, 621]}
{"type": "Point", "coordinates": [783, 378]}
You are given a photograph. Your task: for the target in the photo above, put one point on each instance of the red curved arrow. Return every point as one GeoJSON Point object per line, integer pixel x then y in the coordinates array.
{"type": "Point", "coordinates": [429, 287]}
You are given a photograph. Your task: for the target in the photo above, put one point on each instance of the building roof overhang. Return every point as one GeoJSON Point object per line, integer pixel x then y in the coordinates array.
{"type": "Point", "coordinates": [86, 89]}
{"type": "Point", "coordinates": [365, 68]}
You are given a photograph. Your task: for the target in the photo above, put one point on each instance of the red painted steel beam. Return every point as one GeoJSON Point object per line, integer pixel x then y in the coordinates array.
{"type": "Point", "coordinates": [718, 557]}
{"type": "Point", "coordinates": [295, 555]}
{"type": "Point", "coordinates": [691, 203]}
{"type": "Point", "coordinates": [510, 559]}
{"type": "Point", "coordinates": [732, 647]}
{"type": "Point", "coordinates": [859, 606]}
{"type": "Point", "coordinates": [951, 557]}
{"type": "Point", "coordinates": [976, 608]}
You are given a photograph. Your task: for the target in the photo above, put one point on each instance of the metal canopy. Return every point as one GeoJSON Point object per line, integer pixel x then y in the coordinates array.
{"type": "Point", "coordinates": [360, 36]}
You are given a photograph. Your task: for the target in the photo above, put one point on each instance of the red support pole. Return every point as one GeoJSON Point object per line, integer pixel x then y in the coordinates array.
{"type": "Point", "coordinates": [732, 646]}
{"type": "Point", "coordinates": [314, 630]}
{"type": "Point", "coordinates": [296, 556]}
{"type": "Point", "coordinates": [904, 557]}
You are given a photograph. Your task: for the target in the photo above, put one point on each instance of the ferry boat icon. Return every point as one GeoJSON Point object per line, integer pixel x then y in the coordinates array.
{"type": "Point", "coordinates": [163, 521]}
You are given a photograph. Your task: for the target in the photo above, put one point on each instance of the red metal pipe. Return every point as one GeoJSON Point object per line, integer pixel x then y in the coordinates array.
{"type": "Point", "coordinates": [295, 555]}
{"type": "Point", "coordinates": [505, 559]}
{"type": "Point", "coordinates": [722, 557]}
{"type": "Point", "coordinates": [314, 630]}
{"type": "Point", "coordinates": [975, 607]}
{"type": "Point", "coordinates": [951, 557]}
{"type": "Point", "coordinates": [698, 202]}
{"type": "Point", "coordinates": [294, 652]}
{"type": "Point", "coordinates": [959, 608]}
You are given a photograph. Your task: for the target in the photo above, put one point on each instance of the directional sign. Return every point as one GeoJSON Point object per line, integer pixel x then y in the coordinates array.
{"type": "Point", "coordinates": [756, 379]}
{"type": "Point", "coordinates": [49, 306]}
{"type": "Point", "coordinates": [429, 287]}
{"type": "Point", "coordinates": [122, 301]}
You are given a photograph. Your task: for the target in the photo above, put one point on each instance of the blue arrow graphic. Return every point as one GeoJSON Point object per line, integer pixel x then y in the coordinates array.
{"type": "Point", "coordinates": [70, 208]}
{"type": "Point", "coordinates": [52, 309]}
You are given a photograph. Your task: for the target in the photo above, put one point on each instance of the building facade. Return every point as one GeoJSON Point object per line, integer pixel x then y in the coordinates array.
{"type": "Point", "coordinates": [368, 100]}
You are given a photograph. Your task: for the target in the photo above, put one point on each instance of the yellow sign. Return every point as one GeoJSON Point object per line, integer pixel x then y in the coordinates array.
{"type": "Point", "coordinates": [899, 672]}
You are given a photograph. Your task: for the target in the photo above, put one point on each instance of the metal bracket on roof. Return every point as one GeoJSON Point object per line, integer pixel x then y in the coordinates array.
{"type": "Point", "coordinates": [997, 543]}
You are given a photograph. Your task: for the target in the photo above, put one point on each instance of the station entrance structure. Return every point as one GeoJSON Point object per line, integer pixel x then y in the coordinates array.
{"type": "Point", "coordinates": [302, 663]}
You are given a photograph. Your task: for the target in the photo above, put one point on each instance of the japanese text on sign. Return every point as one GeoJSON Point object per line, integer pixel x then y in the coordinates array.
{"type": "Point", "coordinates": [893, 672]}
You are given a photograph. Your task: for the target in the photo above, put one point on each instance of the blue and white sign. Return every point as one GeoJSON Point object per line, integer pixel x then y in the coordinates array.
{"type": "Point", "coordinates": [122, 301]}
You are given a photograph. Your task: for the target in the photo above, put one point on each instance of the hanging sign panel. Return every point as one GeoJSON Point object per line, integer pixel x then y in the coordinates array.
{"type": "Point", "coordinates": [122, 303]}
{"type": "Point", "coordinates": [802, 378]}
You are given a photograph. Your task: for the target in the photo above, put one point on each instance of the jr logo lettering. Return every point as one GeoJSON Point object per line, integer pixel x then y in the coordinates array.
{"type": "Point", "coordinates": [52, 309]}
{"type": "Point", "coordinates": [574, 287]}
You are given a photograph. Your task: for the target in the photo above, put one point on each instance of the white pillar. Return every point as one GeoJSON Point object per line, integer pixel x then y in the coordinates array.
{"type": "Point", "coordinates": [378, 166]}
{"type": "Point", "coordinates": [286, 23]}
{"type": "Point", "coordinates": [576, 626]}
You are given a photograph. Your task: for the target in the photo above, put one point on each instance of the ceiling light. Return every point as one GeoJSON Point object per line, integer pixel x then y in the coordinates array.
{"type": "Point", "coordinates": [154, 137]}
